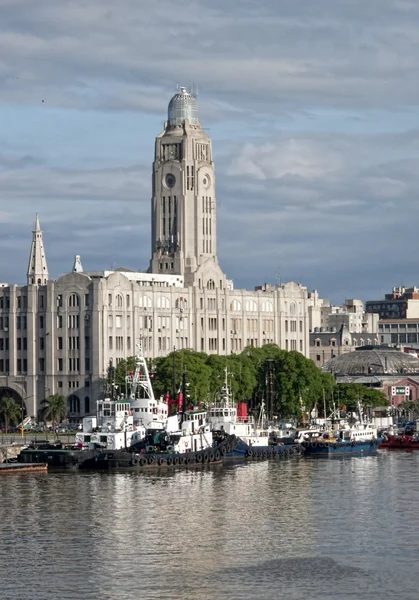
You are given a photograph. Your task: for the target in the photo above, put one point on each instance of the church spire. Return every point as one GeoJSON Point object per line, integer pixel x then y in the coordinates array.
{"type": "Point", "coordinates": [37, 268]}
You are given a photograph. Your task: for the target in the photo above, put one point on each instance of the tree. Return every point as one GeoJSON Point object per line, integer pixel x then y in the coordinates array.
{"type": "Point", "coordinates": [194, 364]}
{"type": "Point", "coordinates": [10, 411]}
{"type": "Point", "coordinates": [121, 371]}
{"type": "Point", "coordinates": [349, 394]}
{"type": "Point", "coordinates": [54, 408]}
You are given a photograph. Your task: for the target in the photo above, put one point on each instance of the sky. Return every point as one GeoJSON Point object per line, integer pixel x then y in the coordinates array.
{"type": "Point", "coordinates": [312, 108]}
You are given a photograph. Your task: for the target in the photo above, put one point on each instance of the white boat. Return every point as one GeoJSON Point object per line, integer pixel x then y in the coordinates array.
{"type": "Point", "coordinates": [224, 418]}
{"type": "Point", "coordinates": [121, 422]}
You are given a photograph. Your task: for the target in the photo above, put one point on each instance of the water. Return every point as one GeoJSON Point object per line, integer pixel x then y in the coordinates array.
{"type": "Point", "coordinates": [290, 529]}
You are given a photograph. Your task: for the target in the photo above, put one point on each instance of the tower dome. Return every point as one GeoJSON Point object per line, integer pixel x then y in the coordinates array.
{"type": "Point", "coordinates": [183, 106]}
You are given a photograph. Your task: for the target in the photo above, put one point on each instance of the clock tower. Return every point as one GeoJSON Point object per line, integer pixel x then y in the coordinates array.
{"type": "Point", "coordinates": [183, 205]}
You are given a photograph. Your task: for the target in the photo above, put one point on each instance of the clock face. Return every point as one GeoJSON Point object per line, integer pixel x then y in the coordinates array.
{"type": "Point", "coordinates": [206, 181]}
{"type": "Point", "coordinates": [170, 180]}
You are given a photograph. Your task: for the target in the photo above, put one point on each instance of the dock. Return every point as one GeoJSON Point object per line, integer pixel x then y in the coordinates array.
{"type": "Point", "coordinates": [6, 468]}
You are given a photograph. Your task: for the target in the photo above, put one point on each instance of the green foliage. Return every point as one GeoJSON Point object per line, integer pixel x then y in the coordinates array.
{"type": "Point", "coordinates": [297, 382]}
{"type": "Point", "coordinates": [349, 394]}
{"type": "Point", "coordinates": [10, 411]}
{"type": "Point", "coordinates": [121, 371]}
{"type": "Point", "coordinates": [54, 408]}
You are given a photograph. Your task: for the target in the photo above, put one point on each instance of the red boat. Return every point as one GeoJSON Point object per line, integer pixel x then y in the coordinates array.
{"type": "Point", "coordinates": [400, 442]}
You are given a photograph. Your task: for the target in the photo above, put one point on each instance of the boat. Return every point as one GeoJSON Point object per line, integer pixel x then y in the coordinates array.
{"type": "Point", "coordinates": [122, 422]}
{"type": "Point", "coordinates": [400, 442]}
{"type": "Point", "coordinates": [252, 439]}
{"type": "Point", "coordinates": [154, 438]}
{"type": "Point", "coordinates": [359, 439]}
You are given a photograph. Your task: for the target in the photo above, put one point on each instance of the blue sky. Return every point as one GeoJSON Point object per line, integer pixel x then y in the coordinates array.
{"type": "Point", "coordinates": [312, 108]}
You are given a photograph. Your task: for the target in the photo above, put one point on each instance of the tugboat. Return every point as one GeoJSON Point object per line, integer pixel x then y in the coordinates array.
{"type": "Point", "coordinates": [361, 439]}
{"type": "Point", "coordinates": [249, 439]}
{"type": "Point", "coordinates": [159, 441]}
{"type": "Point", "coordinates": [122, 422]}
{"type": "Point", "coordinates": [400, 442]}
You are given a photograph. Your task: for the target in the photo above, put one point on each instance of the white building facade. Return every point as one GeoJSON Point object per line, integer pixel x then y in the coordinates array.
{"type": "Point", "coordinates": [60, 336]}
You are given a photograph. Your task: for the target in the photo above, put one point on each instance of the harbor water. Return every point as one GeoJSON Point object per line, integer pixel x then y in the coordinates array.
{"type": "Point", "coordinates": [294, 529]}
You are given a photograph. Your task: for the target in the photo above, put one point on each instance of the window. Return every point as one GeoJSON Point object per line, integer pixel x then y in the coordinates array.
{"type": "Point", "coordinates": [19, 343]}
{"type": "Point", "coordinates": [128, 301]}
{"type": "Point", "coordinates": [118, 321]}
{"type": "Point", "coordinates": [181, 303]}
{"type": "Point", "coordinates": [59, 364]}
{"type": "Point", "coordinates": [59, 321]}
{"type": "Point", "coordinates": [87, 405]}
{"type": "Point", "coordinates": [41, 343]}
{"type": "Point", "coordinates": [235, 306]}
{"type": "Point", "coordinates": [73, 301]}
{"type": "Point", "coordinates": [318, 357]}
{"type": "Point", "coordinates": [267, 306]}
{"type": "Point", "coordinates": [42, 364]}
{"type": "Point", "coordinates": [59, 343]}
{"type": "Point", "coordinates": [119, 301]}
{"type": "Point", "coordinates": [19, 302]}
{"type": "Point", "coordinates": [145, 302]}
{"type": "Point", "coordinates": [86, 300]}
{"type": "Point", "coordinates": [110, 343]}
{"type": "Point", "coordinates": [110, 300]}
{"type": "Point", "coordinates": [211, 284]}
{"type": "Point", "coordinates": [163, 302]}
{"type": "Point", "coordinates": [41, 322]}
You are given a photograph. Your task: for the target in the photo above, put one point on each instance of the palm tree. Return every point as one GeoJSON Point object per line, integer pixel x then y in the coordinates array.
{"type": "Point", "coordinates": [10, 411]}
{"type": "Point", "coordinates": [54, 408]}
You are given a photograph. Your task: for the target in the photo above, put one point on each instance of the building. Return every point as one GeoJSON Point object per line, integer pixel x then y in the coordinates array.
{"type": "Point", "coordinates": [395, 373]}
{"type": "Point", "coordinates": [325, 317]}
{"type": "Point", "coordinates": [326, 345]}
{"type": "Point", "coordinates": [336, 330]}
{"type": "Point", "coordinates": [60, 336]}
{"type": "Point", "coordinates": [402, 303]}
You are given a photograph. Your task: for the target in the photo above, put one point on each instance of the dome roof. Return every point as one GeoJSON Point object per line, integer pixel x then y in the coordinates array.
{"type": "Point", "coordinates": [183, 106]}
{"type": "Point", "coordinates": [375, 360]}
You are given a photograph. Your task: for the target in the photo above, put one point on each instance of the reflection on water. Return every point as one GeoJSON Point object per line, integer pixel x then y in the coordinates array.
{"type": "Point", "coordinates": [294, 529]}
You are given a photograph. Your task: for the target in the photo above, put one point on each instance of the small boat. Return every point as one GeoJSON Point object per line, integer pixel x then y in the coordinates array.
{"type": "Point", "coordinates": [361, 439]}
{"type": "Point", "coordinates": [400, 442]}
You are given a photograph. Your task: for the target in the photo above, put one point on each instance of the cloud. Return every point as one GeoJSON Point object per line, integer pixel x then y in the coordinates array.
{"type": "Point", "coordinates": [312, 107]}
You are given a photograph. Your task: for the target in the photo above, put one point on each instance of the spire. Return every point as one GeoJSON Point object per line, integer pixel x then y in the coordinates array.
{"type": "Point", "coordinates": [37, 268]}
{"type": "Point", "coordinates": [77, 267]}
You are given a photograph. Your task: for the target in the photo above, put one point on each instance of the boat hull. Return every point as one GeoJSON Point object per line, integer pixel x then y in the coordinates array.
{"type": "Point", "coordinates": [329, 450]}
{"type": "Point", "coordinates": [404, 442]}
{"type": "Point", "coordinates": [57, 460]}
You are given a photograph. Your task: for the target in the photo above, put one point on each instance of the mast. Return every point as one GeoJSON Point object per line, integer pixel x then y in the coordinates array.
{"type": "Point", "coordinates": [141, 377]}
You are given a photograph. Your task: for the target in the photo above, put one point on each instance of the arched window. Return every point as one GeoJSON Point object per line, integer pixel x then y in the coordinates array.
{"type": "Point", "coordinates": [74, 404]}
{"type": "Point", "coordinates": [181, 303]}
{"type": "Point", "coordinates": [251, 306]}
{"type": "Point", "coordinates": [73, 300]}
{"type": "Point", "coordinates": [145, 302]}
{"type": "Point", "coordinates": [293, 308]}
{"type": "Point", "coordinates": [211, 284]}
{"type": "Point", "coordinates": [163, 302]}
{"type": "Point", "coordinates": [267, 306]}
{"type": "Point", "coordinates": [236, 306]}
{"type": "Point", "coordinates": [119, 301]}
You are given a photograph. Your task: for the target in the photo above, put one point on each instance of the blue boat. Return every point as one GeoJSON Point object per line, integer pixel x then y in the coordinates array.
{"type": "Point", "coordinates": [361, 439]}
{"type": "Point", "coordinates": [338, 447]}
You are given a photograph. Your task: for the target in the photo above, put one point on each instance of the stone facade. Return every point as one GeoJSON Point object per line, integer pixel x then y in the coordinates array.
{"type": "Point", "coordinates": [325, 345]}
{"type": "Point", "coordinates": [60, 336]}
